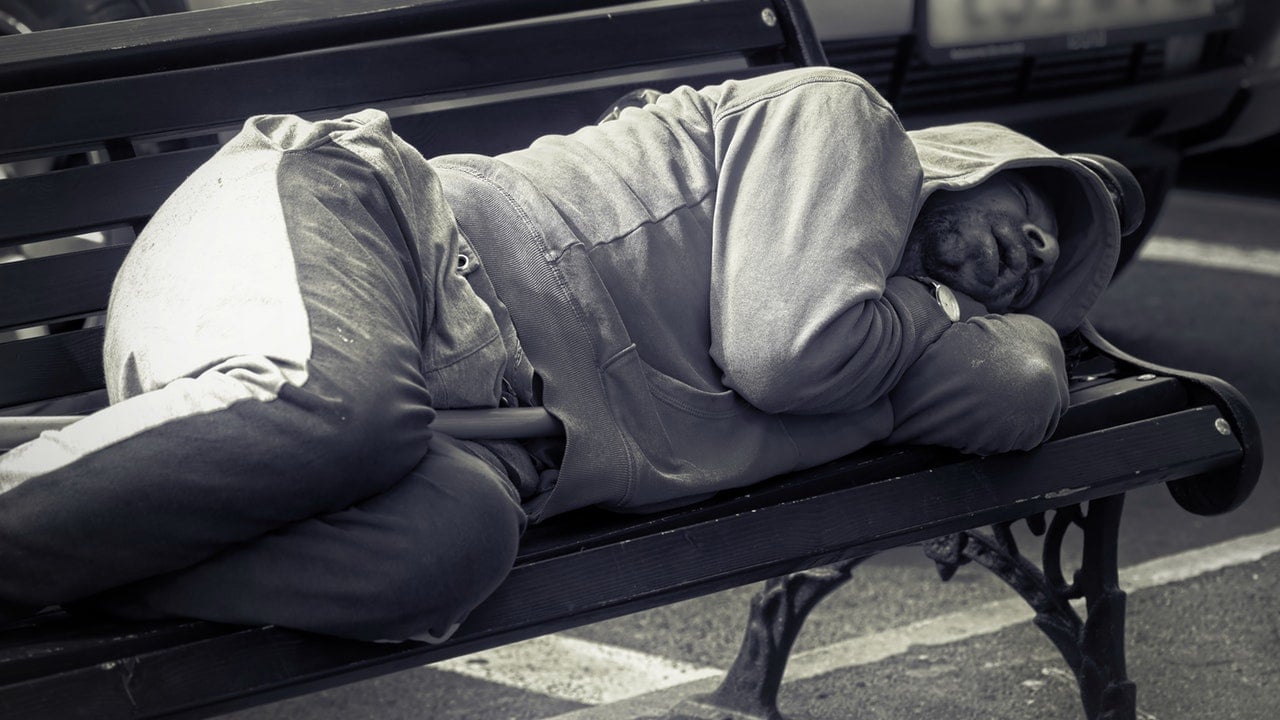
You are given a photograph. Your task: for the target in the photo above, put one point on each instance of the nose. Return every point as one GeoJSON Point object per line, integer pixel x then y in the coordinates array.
{"type": "Point", "coordinates": [1042, 246]}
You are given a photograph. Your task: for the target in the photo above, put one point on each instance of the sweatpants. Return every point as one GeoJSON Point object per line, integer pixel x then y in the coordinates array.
{"type": "Point", "coordinates": [268, 456]}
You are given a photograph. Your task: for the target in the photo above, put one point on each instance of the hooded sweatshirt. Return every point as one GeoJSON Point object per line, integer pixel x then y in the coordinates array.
{"type": "Point", "coordinates": [706, 286]}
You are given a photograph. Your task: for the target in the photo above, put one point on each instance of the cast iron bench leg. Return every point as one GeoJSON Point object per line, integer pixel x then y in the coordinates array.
{"type": "Point", "coordinates": [1093, 648]}
{"type": "Point", "coordinates": [749, 690]}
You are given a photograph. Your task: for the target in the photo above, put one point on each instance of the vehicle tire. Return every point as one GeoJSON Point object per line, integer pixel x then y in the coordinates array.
{"type": "Point", "coordinates": [23, 16]}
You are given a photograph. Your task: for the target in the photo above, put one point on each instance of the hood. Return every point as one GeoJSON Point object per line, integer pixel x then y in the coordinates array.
{"type": "Point", "coordinates": [955, 157]}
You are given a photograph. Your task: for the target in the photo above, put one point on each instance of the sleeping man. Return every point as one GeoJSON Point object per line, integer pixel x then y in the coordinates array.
{"type": "Point", "coordinates": [721, 286]}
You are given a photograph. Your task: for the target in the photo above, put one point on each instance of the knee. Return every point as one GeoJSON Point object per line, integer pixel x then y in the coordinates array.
{"type": "Point", "coordinates": [433, 589]}
{"type": "Point", "coordinates": [444, 565]}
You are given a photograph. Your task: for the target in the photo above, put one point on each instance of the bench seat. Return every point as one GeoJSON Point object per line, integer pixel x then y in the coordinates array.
{"type": "Point", "coordinates": [1126, 428]}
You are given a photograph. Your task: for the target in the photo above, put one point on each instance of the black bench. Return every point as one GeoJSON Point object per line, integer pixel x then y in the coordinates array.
{"type": "Point", "coordinates": [122, 112]}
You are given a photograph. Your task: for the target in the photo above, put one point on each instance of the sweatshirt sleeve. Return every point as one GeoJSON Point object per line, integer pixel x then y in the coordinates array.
{"type": "Point", "coordinates": [816, 190]}
{"type": "Point", "coordinates": [991, 384]}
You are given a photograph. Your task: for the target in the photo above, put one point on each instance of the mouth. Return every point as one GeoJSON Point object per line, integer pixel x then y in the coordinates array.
{"type": "Point", "coordinates": [1026, 293]}
{"type": "Point", "coordinates": [1019, 285]}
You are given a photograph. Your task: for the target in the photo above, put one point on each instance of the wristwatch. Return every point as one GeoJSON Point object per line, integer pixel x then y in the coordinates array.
{"type": "Point", "coordinates": [946, 299]}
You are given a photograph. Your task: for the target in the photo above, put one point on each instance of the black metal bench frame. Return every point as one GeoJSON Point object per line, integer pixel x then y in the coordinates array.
{"type": "Point", "coordinates": [139, 105]}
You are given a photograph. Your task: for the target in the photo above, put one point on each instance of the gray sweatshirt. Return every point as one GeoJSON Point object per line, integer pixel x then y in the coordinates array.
{"type": "Point", "coordinates": [706, 286]}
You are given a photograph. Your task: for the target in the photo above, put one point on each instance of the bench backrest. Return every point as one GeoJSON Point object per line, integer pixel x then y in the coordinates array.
{"type": "Point", "coordinates": [122, 112]}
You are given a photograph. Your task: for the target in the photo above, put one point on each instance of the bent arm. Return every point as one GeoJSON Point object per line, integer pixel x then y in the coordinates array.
{"type": "Point", "coordinates": [991, 384]}
{"type": "Point", "coordinates": [816, 192]}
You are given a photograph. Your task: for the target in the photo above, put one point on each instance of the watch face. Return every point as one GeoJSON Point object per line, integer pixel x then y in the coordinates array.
{"type": "Point", "coordinates": [947, 300]}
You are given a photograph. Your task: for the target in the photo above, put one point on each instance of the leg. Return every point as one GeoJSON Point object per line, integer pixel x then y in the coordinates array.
{"type": "Point", "coordinates": [750, 687]}
{"type": "Point", "coordinates": [176, 493]}
{"type": "Point", "coordinates": [1093, 647]}
{"type": "Point", "coordinates": [264, 351]}
{"type": "Point", "coordinates": [410, 562]}
{"type": "Point", "coordinates": [1105, 687]}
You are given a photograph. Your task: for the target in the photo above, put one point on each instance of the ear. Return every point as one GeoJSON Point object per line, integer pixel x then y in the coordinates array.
{"type": "Point", "coordinates": [1121, 185]}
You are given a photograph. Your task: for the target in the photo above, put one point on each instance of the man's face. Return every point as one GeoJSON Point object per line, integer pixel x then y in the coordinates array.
{"type": "Point", "coordinates": [996, 242]}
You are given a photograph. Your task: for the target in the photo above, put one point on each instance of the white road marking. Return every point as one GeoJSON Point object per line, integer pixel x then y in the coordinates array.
{"type": "Point", "coordinates": [1217, 256]}
{"type": "Point", "coordinates": [995, 616]}
{"type": "Point", "coordinates": [578, 670]}
{"type": "Point", "coordinates": [645, 699]}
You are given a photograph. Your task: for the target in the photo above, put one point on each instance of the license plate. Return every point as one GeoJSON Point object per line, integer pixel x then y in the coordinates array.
{"type": "Point", "coordinates": [1003, 27]}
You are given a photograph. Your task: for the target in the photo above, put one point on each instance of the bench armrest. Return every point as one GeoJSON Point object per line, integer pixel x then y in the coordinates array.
{"type": "Point", "coordinates": [1222, 490]}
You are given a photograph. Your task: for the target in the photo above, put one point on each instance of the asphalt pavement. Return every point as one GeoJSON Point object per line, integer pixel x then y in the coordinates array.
{"type": "Point", "coordinates": [1203, 622]}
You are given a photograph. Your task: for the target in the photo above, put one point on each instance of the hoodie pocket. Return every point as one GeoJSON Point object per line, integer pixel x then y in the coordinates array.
{"type": "Point", "coordinates": [693, 441]}
{"type": "Point", "coordinates": [680, 396]}
{"type": "Point", "coordinates": [717, 436]}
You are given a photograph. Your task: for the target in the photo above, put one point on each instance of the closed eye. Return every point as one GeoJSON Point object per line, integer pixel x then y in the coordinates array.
{"type": "Point", "coordinates": [1037, 207]}
{"type": "Point", "coordinates": [1026, 201]}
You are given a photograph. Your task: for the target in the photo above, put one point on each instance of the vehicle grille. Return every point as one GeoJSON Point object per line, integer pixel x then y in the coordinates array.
{"type": "Point", "coordinates": [875, 59]}
{"type": "Point", "coordinates": [1085, 70]}
{"type": "Point", "coordinates": [911, 84]}
{"type": "Point", "coordinates": [959, 84]}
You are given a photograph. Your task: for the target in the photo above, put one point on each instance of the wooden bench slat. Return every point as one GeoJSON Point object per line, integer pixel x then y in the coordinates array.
{"type": "Point", "coordinates": [91, 197]}
{"type": "Point", "coordinates": [237, 32]}
{"type": "Point", "coordinates": [1108, 404]}
{"type": "Point", "coordinates": [476, 128]}
{"type": "Point", "coordinates": [190, 679]}
{"type": "Point", "coordinates": [50, 366]}
{"type": "Point", "coordinates": [350, 76]}
{"type": "Point", "coordinates": [196, 679]}
{"type": "Point", "coordinates": [1117, 401]}
{"type": "Point", "coordinates": [868, 516]}
{"type": "Point", "coordinates": [128, 191]}
{"type": "Point", "coordinates": [50, 288]}
{"type": "Point", "coordinates": [43, 646]}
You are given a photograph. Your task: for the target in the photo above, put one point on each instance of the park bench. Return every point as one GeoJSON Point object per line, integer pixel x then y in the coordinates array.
{"type": "Point", "coordinates": [118, 114]}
